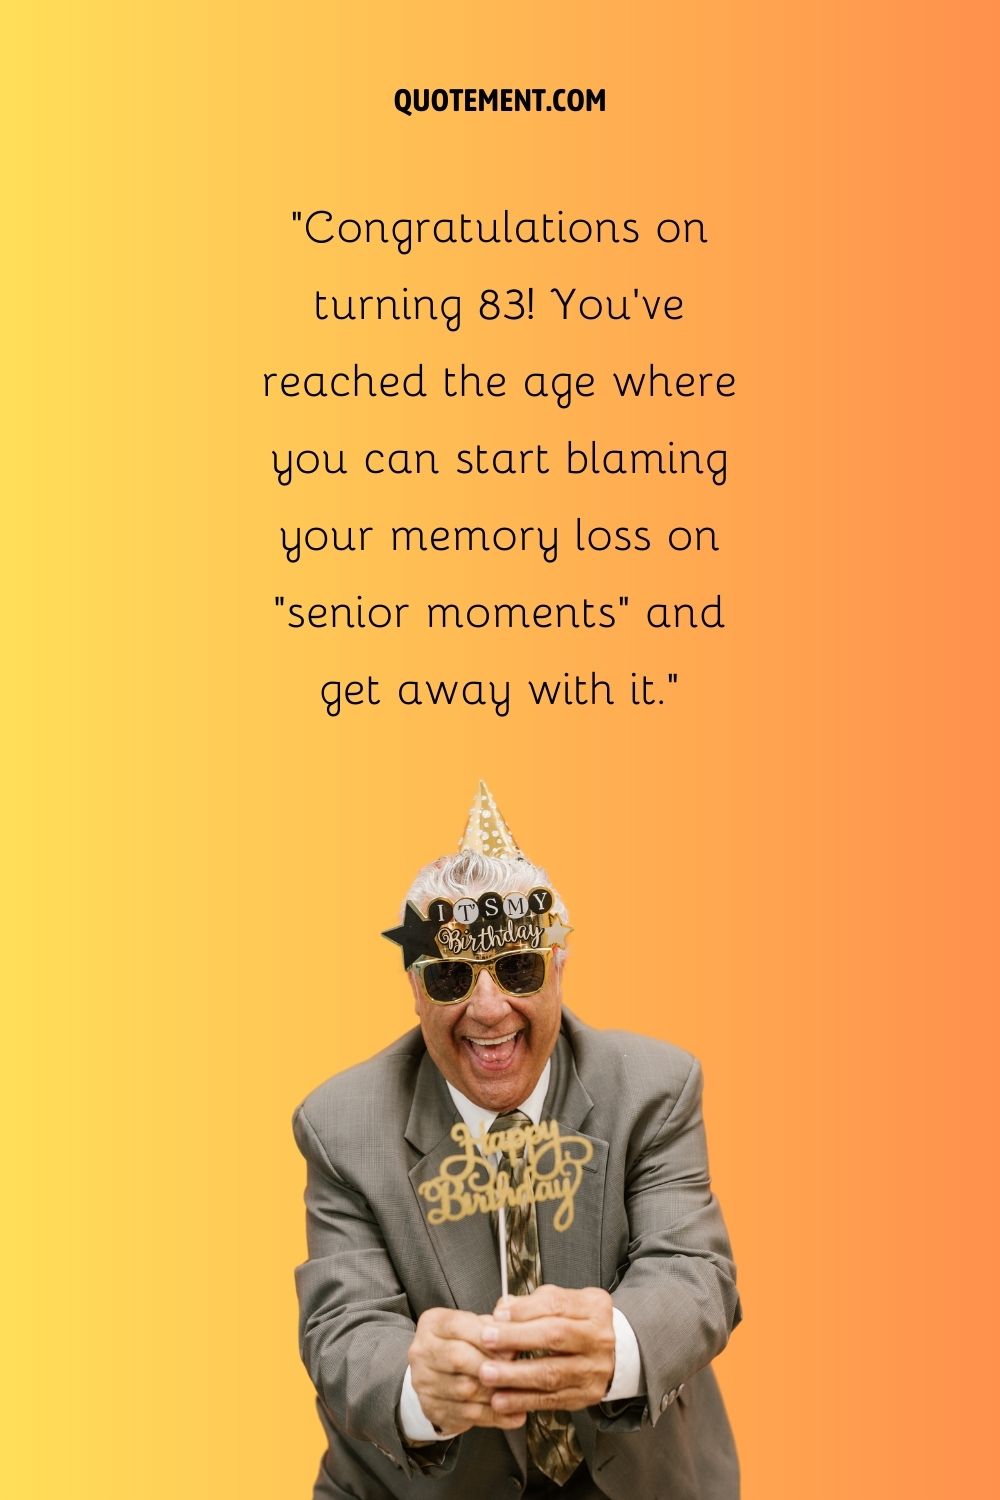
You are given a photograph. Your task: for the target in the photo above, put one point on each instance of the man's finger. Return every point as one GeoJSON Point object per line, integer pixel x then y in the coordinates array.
{"type": "Point", "coordinates": [538, 1374]}
{"type": "Point", "coordinates": [453, 1323]}
{"type": "Point", "coordinates": [554, 1301]}
{"type": "Point", "coordinates": [454, 1416]}
{"type": "Point", "coordinates": [449, 1357]}
{"type": "Point", "coordinates": [569, 1398]}
{"type": "Point", "coordinates": [557, 1335]}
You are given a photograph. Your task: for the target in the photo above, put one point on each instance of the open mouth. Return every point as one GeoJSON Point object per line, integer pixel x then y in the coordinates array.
{"type": "Point", "coordinates": [493, 1054]}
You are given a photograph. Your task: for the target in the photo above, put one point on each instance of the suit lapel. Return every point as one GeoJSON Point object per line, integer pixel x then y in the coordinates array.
{"type": "Point", "coordinates": [466, 1249]}
{"type": "Point", "coordinates": [572, 1257]}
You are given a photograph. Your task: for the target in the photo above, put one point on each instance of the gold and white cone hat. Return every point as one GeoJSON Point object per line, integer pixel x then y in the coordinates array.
{"type": "Point", "coordinates": [486, 831]}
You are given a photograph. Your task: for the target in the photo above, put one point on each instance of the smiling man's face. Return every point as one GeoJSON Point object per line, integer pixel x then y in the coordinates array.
{"type": "Point", "coordinates": [493, 1046]}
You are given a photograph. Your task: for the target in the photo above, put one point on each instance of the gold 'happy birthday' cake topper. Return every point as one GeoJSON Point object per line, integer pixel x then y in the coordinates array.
{"type": "Point", "coordinates": [468, 1182]}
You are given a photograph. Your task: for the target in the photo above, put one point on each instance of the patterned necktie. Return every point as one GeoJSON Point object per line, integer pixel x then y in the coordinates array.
{"type": "Point", "coordinates": [553, 1445]}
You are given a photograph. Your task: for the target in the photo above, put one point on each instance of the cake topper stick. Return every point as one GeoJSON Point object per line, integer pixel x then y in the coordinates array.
{"type": "Point", "coordinates": [502, 1230]}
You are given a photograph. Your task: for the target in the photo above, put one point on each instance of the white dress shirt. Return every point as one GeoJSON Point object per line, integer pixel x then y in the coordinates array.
{"type": "Point", "coordinates": [627, 1379]}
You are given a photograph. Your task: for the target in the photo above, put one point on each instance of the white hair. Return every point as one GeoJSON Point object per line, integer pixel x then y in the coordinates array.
{"type": "Point", "coordinates": [469, 874]}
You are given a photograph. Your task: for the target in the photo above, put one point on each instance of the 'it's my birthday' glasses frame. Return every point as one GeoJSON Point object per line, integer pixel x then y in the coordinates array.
{"type": "Point", "coordinates": [449, 981]}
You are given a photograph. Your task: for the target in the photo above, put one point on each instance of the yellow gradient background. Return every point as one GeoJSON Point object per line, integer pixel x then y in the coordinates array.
{"type": "Point", "coordinates": [785, 868]}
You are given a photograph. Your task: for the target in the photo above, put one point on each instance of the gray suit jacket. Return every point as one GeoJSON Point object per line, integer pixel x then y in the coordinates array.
{"type": "Point", "coordinates": [646, 1227]}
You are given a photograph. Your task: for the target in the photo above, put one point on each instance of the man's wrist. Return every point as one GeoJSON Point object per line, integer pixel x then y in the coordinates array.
{"type": "Point", "coordinates": [414, 1424]}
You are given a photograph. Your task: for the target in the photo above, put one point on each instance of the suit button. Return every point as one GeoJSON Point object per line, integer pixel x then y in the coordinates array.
{"type": "Point", "coordinates": [514, 1483]}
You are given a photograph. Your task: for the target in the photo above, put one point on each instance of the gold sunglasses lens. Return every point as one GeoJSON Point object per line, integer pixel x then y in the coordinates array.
{"type": "Point", "coordinates": [521, 973]}
{"type": "Point", "coordinates": [447, 980]}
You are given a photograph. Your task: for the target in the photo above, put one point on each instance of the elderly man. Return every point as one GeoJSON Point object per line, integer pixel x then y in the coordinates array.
{"type": "Point", "coordinates": [517, 1273]}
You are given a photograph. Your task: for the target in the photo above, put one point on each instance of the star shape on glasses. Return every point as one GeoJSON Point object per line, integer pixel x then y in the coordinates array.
{"type": "Point", "coordinates": [555, 934]}
{"type": "Point", "coordinates": [415, 937]}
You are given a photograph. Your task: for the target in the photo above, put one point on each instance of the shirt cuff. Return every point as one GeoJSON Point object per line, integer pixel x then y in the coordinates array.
{"type": "Point", "coordinates": [627, 1380]}
{"type": "Point", "coordinates": [415, 1427]}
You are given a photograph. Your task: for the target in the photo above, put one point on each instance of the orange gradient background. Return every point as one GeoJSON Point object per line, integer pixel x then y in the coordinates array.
{"type": "Point", "coordinates": [785, 868]}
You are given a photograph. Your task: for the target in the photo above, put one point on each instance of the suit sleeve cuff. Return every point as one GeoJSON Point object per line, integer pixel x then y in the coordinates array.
{"type": "Point", "coordinates": [414, 1425]}
{"type": "Point", "coordinates": [627, 1380]}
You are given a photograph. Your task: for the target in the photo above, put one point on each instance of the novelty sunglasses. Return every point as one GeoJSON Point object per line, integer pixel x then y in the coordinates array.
{"type": "Point", "coordinates": [447, 981]}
